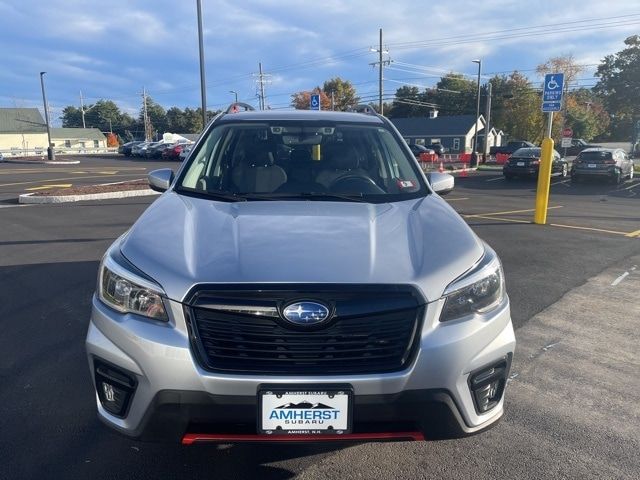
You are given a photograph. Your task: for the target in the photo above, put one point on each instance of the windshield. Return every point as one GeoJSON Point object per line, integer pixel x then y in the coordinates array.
{"type": "Point", "coordinates": [527, 152]}
{"type": "Point", "coordinates": [302, 160]}
{"type": "Point", "coordinates": [597, 156]}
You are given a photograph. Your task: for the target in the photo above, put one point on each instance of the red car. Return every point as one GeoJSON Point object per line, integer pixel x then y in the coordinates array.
{"type": "Point", "coordinates": [172, 153]}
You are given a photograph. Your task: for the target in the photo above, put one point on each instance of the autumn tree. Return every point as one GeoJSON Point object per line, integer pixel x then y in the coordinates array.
{"type": "Point", "coordinates": [344, 93]}
{"type": "Point", "coordinates": [302, 100]}
{"type": "Point", "coordinates": [619, 87]}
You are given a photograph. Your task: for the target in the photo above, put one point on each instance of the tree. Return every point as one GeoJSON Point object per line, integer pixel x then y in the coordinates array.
{"type": "Point", "coordinates": [619, 87]}
{"type": "Point", "coordinates": [344, 93]}
{"type": "Point", "coordinates": [302, 100]}
{"type": "Point", "coordinates": [405, 103]}
{"type": "Point", "coordinates": [157, 117]}
{"type": "Point", "coordinates": [176, 120]}
{"type": "Point", "coordinates": [586, 114]}
{"type": "Point", "coordinates": [104, 115]}
{"type": "Point", "coordinates": [516, 107]}
{"type": "Point", "coordinates": [454, 95]}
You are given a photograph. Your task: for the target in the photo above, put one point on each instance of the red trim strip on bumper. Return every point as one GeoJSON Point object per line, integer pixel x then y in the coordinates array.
{"type": "Point", "coordinates": [191, 438]}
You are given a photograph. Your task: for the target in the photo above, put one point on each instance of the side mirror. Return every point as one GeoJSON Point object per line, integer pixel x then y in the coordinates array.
{"type": "Point", "coordinates": [442, 183]}
{"type": "Point", "coordinates": [160, 180]}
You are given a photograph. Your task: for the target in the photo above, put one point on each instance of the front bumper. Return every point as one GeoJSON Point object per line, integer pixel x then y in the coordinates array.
{"type": "Point", "coordinates": [174, 396]}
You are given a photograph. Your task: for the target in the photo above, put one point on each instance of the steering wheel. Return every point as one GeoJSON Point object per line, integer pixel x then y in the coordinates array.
{"type": "Point", "coordinates": [355, 184]}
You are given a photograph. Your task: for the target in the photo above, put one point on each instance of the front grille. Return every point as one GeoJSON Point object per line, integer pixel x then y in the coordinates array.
{"type": "Point", "coordinates": [373, 330]}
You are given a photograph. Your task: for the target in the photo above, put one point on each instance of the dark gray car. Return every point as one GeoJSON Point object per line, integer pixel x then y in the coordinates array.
{"type": "Point", "coordinates": [612, 164]}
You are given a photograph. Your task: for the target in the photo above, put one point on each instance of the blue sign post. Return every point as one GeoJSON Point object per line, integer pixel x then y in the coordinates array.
{"type": "Point", "coordinates": [315, 102]}
{"type": "Point", "coordinates": [552, 92]}
{"type": "Point", "coordinates": [551, 102]}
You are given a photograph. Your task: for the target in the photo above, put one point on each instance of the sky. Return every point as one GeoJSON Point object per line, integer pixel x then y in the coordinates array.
{"type": "Point", "coordinates": [114, 49]}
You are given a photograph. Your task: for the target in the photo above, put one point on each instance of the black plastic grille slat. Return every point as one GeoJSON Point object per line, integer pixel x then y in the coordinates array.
{"type": "Point", "coordinates": [356, 341]}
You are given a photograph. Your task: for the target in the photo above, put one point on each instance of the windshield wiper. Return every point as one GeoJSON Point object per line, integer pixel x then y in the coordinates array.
{"type": "Point", "coordinates": [218, 195]}
{"type": "Point", "coordinates": [306, 195]}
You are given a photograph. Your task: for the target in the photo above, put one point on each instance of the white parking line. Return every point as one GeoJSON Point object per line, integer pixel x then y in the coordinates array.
{"type": "Point", "coordinates": [619, 279]}
{"type": "Point", "coordinates": [494, 179]}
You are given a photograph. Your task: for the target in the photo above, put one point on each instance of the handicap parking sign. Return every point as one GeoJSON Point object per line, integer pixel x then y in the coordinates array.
{"type": "Point", "coordinates": [552, 92]}
{"type": "Point", "coordinates": [315, 101]}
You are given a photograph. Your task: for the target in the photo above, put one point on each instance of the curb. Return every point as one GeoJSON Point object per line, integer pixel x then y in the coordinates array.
{"type": "Point", "coordinates": [30, 198]}
{"type": "Point", "coordinates": [41, 162]}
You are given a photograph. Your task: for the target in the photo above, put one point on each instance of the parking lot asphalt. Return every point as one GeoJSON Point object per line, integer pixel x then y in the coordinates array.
{"type": "Point", "coordinates": [22, 177]}
{"type": "Point", "coordinates": [559, 278]}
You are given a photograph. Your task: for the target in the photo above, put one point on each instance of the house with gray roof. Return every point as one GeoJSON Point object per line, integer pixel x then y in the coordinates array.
{"type": "Point", "coordinates": [78, 138]}
{"type": "Point", "coordinates": [455, 132]}
{"type": "Point", "coordinates": [22, 129]}
{"type": "Point", "coordinates": [23, 132]}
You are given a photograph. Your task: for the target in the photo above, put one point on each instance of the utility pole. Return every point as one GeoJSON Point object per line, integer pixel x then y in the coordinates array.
{"type": "Point", "coordinates": [380, 76]}
{"type": "Point", "coordinates": [263, 78]}
{"type": "Point", "coordinates": [487, 117]}
{"type": "Point", "coordinates": [203, 87]}
{"type": "Point", "coordinates": [474, 155]}
{"type": "Point", "coordinates": [82, 109]}
{"type": "Point", "coordinates": [381, 64]}
{"type": "Point", "coordinates": [51, 155]}
{"type": "Point", "coordinates": [261, 86]}
{"type": "Point", "coordinates": [145, 117]}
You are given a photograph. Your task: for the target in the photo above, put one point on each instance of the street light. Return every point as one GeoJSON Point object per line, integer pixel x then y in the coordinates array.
{"type": "Point", "coordinates": [235, 93]}
{"type": "Point", "coordinates": [474, 157]}
{"type": "Point", "coordinates": [51, 155]}
{"type": "Point", "coordinates": [203, 88]}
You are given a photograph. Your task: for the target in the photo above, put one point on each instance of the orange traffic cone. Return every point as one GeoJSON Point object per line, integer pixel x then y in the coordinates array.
{"type": "Point", "coordinates": [464, 172]}
{"type": "Point", "coordinates": [441, 169]}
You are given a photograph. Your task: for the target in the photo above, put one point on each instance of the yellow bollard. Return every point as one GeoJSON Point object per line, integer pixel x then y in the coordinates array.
{"type": "Point", "coordinates": [544, 182]}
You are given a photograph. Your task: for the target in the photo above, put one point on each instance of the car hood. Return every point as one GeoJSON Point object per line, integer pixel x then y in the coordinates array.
{"type": "Point", "coordinates": [181, 241]}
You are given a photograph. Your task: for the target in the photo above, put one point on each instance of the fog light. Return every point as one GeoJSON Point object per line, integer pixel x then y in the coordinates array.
{"type": "Point", "coordinates": [487, 385]}
{"type": "Point", "coordinates": [115, 388]}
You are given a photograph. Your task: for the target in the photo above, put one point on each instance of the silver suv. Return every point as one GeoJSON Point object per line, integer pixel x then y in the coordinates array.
{"type": "Point", "coordinates": [299, 279]}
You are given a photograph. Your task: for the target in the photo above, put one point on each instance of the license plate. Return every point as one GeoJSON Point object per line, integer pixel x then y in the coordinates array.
{"type": "Point", "coordinates": [304, 411]}
{"type": "Point", "coordinates": [592, 165]}
{"type": "Point", "coordinates": [520, 164]}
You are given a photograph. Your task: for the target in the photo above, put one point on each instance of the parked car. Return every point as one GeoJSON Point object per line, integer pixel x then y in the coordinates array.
{"type": "Point", "coordinates": [612, 164]}
{"type": "Point", "coordinates": [172, 152]}
{"type": "Point", "coordinates": [142, 151]}
{"type": "Point", "coordinates": [510, 147]}
{"type": "Point", "coordinates": [339, 296]}
{"type": "Point", "coordinates": [578, 145]}
{"type": "Point", "coordinates": [418, 150]}
{"type": "Point", "coordinates": [127, 147]}
{"type": "Point", "coordinates": [155, 151]}
{"type": "Point", "coordinates": [1, 157]}
{"type": "Point", "coordinates": [185, 152]}
{"type": "Point", "coordinates": [438, 148]}
{"type": "Point", "coordinates": [525, 162]}
{"type": "Point", "coordinates": [139, 149]}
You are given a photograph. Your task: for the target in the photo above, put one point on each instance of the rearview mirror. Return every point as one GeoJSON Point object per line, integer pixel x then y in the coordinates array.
{"type": "Point", "coordinates": [441, 183]}
{"type": "Point", "coordinates": [160, 180]}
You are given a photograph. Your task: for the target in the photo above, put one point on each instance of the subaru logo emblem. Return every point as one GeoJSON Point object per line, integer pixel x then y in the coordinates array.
{"type": "Point", "coordinates": [305, 313]}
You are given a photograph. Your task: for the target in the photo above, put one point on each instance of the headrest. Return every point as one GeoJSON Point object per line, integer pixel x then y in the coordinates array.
{"type": "Point", "coordinates": [300, 155]}
{"type": "Point", "coordinates": [344, 159]}
{"type": "Point", "coordinates": [258, 158]}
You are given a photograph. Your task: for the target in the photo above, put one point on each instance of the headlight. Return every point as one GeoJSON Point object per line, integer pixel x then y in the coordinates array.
{"type": "Point", "coordinates": [125, 292]}
{"type": "Point", "coordinates": [478, 291]}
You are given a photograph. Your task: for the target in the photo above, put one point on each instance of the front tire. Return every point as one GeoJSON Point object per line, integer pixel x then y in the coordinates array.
{"type": "Point", "coordinates": [631, 173]}
{"type": "Point", "coordinates": [565, 170]}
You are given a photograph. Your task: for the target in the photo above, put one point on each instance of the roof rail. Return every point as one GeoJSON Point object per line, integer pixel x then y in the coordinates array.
{"type": "Point", "coordinates": [362, 108]}
{"type": "Point", "coordinates": [235, 107]}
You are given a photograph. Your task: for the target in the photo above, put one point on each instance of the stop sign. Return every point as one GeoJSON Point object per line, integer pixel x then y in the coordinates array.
{"type": "Point", "coordinates": [567, 133]}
